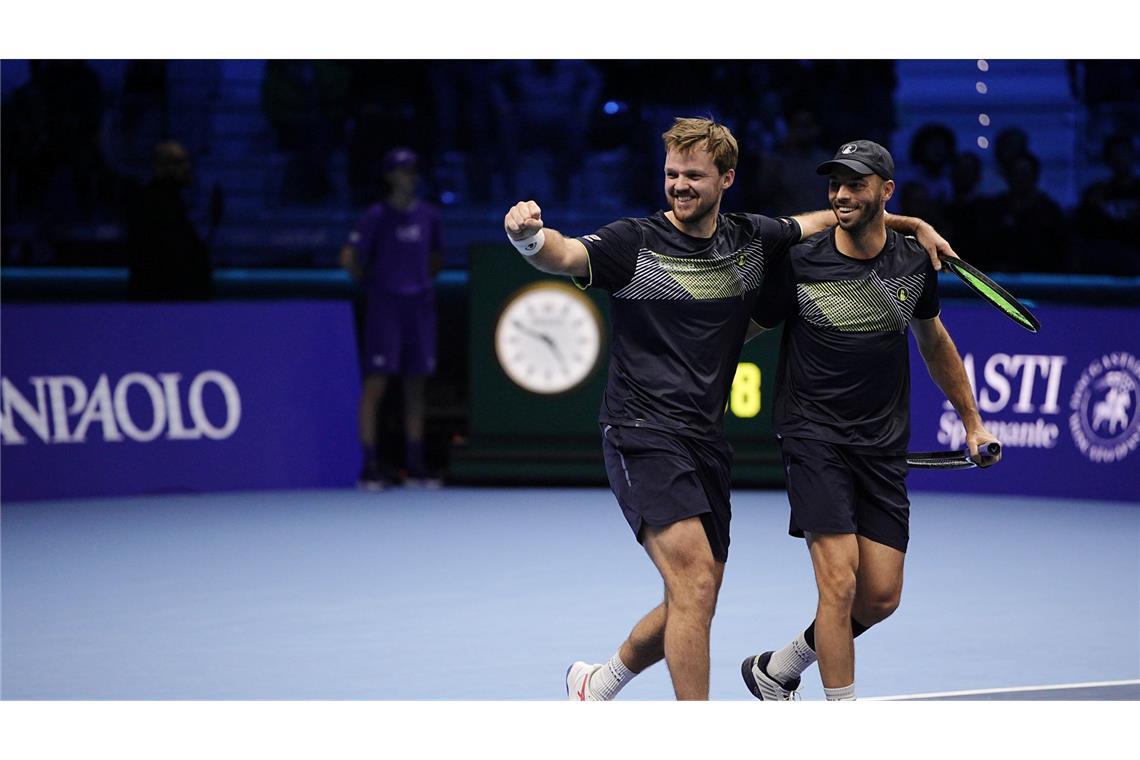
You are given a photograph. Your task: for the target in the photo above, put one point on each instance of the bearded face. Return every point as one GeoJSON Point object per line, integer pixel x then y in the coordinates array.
{"type": "Point", "coordinates": [694, 187]}
{"type": "Point", "coordinates": [857, 199]}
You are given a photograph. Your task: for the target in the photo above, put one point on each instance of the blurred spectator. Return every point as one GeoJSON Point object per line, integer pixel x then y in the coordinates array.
{"type": "Point", "coordinates": [54, 164]}
{"type": "Point", "coordinates": [756, 94]}
{"type": "Point", "coordinates": [306, 102]}
{"type": "Point", "coordinates": [145, 100]}
{"type": "Point", "coordinates": [1010, 143]}
{"type": "Point", "coordinates": [857, 96]}
{"type": "Point", "coordinates": [924, 181]}
{"type": "Point", "coordinates": [394, 252]}
{"type": "Point", "coordinates": [463, 120]}
{"type": "Point", "coordinates": [391, 104]}
{"type": "Point", "coordinates": [168, 259]}
{"type": "Point", "coordinates": [786, 182]}
{"type": "Point", "coordinates": [1105, 81]}
{"type": "Point", "coordinates": [1026, 230]}
{"type": "Point", "coordinates": [24, 117]}
{"type": "Point", "coordinates": [544, 104]}
{"type": "Point", "coordinates": [1109, 213]}
{"type": "Point", "coordinates": [964, 228]}
{"type": "Point", "coordinates": [1110, 93]}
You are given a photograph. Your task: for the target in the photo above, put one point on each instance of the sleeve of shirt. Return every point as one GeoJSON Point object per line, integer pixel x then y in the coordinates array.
{"type": "Point", "coordinates": [777, 235]}
{"type": "Point", "coordinates": [929, 305]}
{"type": "Point", "coordinates": [613, 253]}
{"type": "Point", "coordinates": [777, 299]}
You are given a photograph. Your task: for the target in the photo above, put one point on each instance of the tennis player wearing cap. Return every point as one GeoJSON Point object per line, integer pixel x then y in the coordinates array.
{"type": "Point", "coordinates": [394, 251]}
{"type": "Point", "coordinates": [683, 284]}
{"type": "Point", "coordinates": [842, 412]}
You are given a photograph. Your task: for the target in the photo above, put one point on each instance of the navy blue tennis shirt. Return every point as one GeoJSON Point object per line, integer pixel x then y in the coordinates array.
{"type": "Point", "coordinates": [844, 370]}
{"type": "Point", "coordinates": [679, 310]}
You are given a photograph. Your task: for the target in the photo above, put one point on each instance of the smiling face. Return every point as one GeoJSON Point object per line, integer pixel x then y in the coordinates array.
{"type": "Point", "coordinates": [693, 188]}
{"type": "Point", "coordinates": [857, 199]}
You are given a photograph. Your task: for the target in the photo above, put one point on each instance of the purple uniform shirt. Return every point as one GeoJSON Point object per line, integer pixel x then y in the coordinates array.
{"type": "Point", "coordinates": [395, 247]}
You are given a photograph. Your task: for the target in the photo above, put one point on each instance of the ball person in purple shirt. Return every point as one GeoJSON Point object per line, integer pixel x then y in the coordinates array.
{"type": "Point", "coordinates": [394, 252]}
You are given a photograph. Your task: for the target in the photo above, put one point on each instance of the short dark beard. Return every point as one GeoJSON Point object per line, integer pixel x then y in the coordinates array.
{"type": "Point", "coordinates": [696, 219]}
{"type": "Point", "coordinates": [859, 228]}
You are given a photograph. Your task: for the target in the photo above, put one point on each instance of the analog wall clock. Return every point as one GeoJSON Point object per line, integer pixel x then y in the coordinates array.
{"type": "Point", "coordinates": [548, 337]}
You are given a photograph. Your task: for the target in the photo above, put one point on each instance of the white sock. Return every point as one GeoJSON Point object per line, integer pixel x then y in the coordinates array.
{"type": "Point", "coordinates": [609, 679]}
{"type": "Point", "coordinates": [788, 663]}
{"type": "Point", "coordinates": [841, 694]}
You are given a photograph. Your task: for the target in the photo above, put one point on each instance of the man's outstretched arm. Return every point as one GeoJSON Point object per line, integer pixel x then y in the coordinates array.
{"type": "Point", "coordinates": [552, 251]}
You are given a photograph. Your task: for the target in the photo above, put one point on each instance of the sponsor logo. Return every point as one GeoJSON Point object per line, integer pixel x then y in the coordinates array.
{"type": "Point", "coordinates": [1025, 385]}
{"type": "Point", "coordinates": [409, 234]}
{"type": "Point", "coordinates": [138, 407]}
{"type": "Point", "coordinates": [849, 148]}
{"type": "Point", "coordinates": [1103, 418]}
{"type": "Point", "coordinates": [901, 295]}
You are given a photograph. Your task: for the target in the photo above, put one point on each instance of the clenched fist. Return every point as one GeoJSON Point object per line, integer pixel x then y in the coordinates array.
{"type": "Point", "coordinates": [523, 220]}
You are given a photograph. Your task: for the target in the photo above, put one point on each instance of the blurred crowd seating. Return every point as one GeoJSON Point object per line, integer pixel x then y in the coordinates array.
{"type": "Point", "coordinates": [285, 153]}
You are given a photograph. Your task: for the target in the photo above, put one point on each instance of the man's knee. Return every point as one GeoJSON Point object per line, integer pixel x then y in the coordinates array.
{"type": "Point", "coordinates": [836, 586]}
{"type": "Point", "coordinates": [877, 606]}
{"type": "Point", "coordinates": [683, 557]}
{"type": "Point", "coordinates": [694, 588]}
{"type": "Point", "coordinates": [835, 559]}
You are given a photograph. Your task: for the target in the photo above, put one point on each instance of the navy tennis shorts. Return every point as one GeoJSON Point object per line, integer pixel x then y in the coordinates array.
{"type": "Point", "coordinates": [843, 489]}
{"type": "Point", "coordinates": [660, 478]}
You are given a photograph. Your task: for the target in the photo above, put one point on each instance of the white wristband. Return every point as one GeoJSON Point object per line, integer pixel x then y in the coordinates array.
{"type": "Point", "coordinates": [529, 246]}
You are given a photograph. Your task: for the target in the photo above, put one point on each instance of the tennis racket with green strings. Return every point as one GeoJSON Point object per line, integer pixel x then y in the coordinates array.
{"type": "Point", "coordinates": [992, 292]}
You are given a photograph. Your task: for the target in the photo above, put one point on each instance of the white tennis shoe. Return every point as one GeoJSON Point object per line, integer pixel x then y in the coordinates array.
{"type": "Point", "coordinates": [762, 685]}
{"type": "Point", "coordinates": [578, 682]}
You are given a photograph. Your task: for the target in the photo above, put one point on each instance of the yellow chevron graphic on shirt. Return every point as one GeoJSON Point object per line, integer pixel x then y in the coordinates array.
{"type": "Point", "coordinates": [869, 305]}
{"type": "Point", "coordinates": [660, 276]}
{"type": "Point", "coordinates": [704, 278]}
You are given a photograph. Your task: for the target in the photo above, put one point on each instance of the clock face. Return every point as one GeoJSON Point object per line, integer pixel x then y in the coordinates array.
{"type": "Point", "coordinates": [548, 338]}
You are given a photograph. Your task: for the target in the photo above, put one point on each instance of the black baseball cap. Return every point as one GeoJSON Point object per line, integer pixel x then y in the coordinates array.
{"type": "Point", "coordinates": [864, 156]}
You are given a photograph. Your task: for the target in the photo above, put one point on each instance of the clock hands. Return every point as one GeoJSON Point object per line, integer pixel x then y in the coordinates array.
{"type": "Point", "coordinates": [541, 336]}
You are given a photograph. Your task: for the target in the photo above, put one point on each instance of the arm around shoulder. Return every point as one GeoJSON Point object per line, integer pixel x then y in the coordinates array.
{"type": "Point", "coordinates": [815, 221]}
{"type": "Point", "coordinates": [934, 244]}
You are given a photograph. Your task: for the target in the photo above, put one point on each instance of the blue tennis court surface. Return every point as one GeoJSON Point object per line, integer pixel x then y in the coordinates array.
{"type": "Point", "coordinates": [488, 594]}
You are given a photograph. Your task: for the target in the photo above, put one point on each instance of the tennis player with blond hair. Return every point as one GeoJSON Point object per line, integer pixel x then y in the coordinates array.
{"type": "Point", "coordinates": [683, 284]}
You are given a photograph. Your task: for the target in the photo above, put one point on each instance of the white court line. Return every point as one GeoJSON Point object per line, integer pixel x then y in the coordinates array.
{"type": "Point", "coordinates": [1010, 689]}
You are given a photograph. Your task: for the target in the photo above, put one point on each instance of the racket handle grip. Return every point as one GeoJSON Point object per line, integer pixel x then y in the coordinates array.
{"type": "Point", "coordinates": [991, 449]}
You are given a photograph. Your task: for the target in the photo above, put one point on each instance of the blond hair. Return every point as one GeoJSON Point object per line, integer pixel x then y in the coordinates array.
{"type": "Point", "coordinates": [689, 133]}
